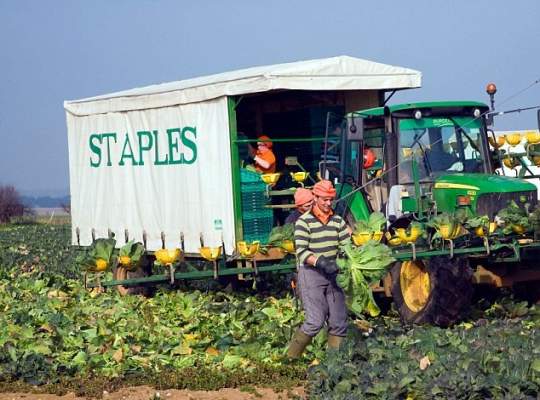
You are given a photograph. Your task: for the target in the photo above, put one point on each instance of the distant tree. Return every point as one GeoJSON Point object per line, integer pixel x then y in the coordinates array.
{"type": "Point", "coordinates": [11, 204]}
{"type": "Point", "coordinates": [66, 207]}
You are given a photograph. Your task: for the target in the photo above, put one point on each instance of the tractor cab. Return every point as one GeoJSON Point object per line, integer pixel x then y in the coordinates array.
{"type": "Point", "coordinates": [423, 158]}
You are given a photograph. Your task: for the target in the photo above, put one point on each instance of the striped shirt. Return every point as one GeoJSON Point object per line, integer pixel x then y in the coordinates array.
{"type": "Point", "coordinates": [312, 237]}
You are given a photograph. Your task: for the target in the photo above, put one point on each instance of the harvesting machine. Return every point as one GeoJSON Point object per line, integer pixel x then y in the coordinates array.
{"type": "Point", "coordinates": [162, 166]}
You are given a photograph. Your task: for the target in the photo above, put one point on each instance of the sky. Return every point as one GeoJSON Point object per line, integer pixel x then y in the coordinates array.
{"type": "Point", "coordinates": [51, 51]}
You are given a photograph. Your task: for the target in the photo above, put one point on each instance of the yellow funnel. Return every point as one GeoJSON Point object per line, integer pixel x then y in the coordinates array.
{"type": "Point", "coordinates": [210, 253]}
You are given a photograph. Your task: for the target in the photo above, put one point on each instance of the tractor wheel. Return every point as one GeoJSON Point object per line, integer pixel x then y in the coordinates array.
{"type": "Point", "coordinates": [432, 291]}
{"type": "Point", "coordinates": [121, 273]}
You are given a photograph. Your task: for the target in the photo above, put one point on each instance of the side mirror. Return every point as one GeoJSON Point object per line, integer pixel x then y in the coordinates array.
{"type": "Point", "coordinates": [355, 131]}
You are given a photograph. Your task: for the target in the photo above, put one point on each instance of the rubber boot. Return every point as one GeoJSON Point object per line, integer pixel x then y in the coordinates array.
{"type": "Point", "coordinates": [334, 341]}
{"type": "Point", "coordinates": [297, 345]}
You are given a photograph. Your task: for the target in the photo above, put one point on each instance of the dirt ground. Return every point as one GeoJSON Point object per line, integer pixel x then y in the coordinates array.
{"type": "Point", "coordinates": [147, 393]}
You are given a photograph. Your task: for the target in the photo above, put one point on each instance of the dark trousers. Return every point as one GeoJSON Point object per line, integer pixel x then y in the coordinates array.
{"type": "Point", "coordinates": [323, 301]}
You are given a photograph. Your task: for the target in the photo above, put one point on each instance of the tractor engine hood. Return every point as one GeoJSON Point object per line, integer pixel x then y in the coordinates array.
{"type": "Point", "coordinates": [483, 183]}
{"type": "Point", "coordinates": [488, 193]}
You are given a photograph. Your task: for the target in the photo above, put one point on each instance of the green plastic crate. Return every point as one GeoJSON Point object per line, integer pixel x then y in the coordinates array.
{"type": "Point", "coordinates": [253, 191]}
{"type": "Point", "coordinates": [257, 225]}
{"type": "Point", "coordinates": [247, 176]}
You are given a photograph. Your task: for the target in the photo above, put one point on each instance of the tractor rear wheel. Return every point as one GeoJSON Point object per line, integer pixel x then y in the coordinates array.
{"type": "Point", "coordinates": [435, 291]}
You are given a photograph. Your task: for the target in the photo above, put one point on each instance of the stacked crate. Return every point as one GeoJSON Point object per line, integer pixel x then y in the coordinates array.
{"type": "Point", "coordinates": [257, 220]}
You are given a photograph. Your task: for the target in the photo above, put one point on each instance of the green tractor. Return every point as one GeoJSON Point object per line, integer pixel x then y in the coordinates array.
{"type": "Point", "coordinates": [416, 161]}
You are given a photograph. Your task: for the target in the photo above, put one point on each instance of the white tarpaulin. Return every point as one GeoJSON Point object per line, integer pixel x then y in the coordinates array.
{"type": "Point", "coordinates": [157, 159]}
{"type": "Point", "coordinates": [336, 73]}
{"type": "Point", "coordinates": [158, 170]}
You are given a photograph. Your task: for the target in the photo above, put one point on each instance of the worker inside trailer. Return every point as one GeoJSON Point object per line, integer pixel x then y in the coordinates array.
{"type": "Point", "coordinates": [264, 159]}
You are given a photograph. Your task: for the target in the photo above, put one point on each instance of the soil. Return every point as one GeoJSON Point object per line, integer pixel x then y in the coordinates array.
{"type": "Point", "coordinates": [148, 393]}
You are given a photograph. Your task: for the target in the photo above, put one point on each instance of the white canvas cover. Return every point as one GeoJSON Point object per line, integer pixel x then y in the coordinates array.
{"type": "Point", "coordinates": [336, 73]}
{"type": "Point", "coordinates": [172, 191]}
{"type": "Point", "coordinates": [176, 190]}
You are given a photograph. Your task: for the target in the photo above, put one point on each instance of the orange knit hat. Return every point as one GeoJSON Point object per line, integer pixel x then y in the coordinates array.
{"type": "Point", "coordinates": [263, 139]}
{"type": "Point", "coordinates": [302, 196]}
{"type": "Point", "coordinates": [324, 188]}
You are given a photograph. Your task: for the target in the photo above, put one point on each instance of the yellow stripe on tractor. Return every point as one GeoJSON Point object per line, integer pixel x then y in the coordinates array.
{"type": "Point", "coordinates": [443, 185]}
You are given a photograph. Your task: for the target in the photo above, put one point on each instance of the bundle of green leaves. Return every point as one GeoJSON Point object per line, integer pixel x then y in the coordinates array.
{"type": "Point", "coordinates": [442, 219]}
{"type": "Point", "coordinates": [375, 223]}
{"type": "Point", "coordinates": [477, 222]}
{"type": "Point", "coordinates": [513, 215]}
{"type": "Point", "coordinates": [361, 267]}
{"type": "Point", "coordinates": [279, 234]}
{"type": "Point", "coordinates": [99, 256]}
{"type": "Point", "coordinates": [451, 222]}
{"type": "Point", "coordinates": [130, 254]}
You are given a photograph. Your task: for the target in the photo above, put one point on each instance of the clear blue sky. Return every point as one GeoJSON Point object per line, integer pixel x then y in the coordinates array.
{"type": "Point", "coordinates": [51, 51]}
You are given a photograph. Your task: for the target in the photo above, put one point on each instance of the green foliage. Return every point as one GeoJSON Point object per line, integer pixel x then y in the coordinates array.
{"type": "Point", "coordinates": [476, 222]}
{"type": "Point", "coordinates": [452, 222]}
{"type": "Point", "coordinates": [534, 219]}
{"type": "Point", "coordinates": [133, 250]}
{"type": "Point", "coordinates": [375, 223]}
{"type": "Point", "coordinates": [513, 215]}
{"type": "Point", "coordinates": [279, 234]}
{"type": "Point", "coordinates": [101, 249]}
{"type": "Point", "coordinates": [495, 357]}
{"type": "Point", "coordinates": [37, 249]}
{"type": "Point", "coordinates": [53, 329]}
{"type": "Point", "coordinates": [441, 219]}
{"type": "Point", "coordinates": [361, 267]}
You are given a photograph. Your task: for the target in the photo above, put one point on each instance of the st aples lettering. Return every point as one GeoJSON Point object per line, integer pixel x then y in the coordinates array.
{"type": "Point", "coordinates": [178, 146]}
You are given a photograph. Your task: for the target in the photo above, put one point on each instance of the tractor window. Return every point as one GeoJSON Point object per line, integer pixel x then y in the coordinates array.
{"type": "Point", "coordinates": [374, 139]}
{"type": "Point", "coordinates": [440, 146]}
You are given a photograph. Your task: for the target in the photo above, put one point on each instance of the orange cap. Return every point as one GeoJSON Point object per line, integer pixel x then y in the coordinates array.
{"type": "Point", "coordinates": [324, 188]}
{"type": "Point", "coordinates": [263, 138]}
{"type": "Point", "coordinates": [302, 196]}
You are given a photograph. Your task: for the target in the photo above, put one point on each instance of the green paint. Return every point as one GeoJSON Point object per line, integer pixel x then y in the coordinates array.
{"type": "Point", "coordinates": [129, 155]}
{"type": "Point", "coordinates": [190, 144]}
{"type": "Point", "coordinates": [95, 149]}
{"type": "Point", "coordinates": [356, 202]}
{"type": "Point", "coordinates": [446, 198]}
{"type": "Point", "coordinates": [409, 204]}
{"type": "Point", "coordinates": [235, 169]}
{"type": "Point", "coordinates": [379, 111]}
{"type": "Point", "coordinates": [411, 123]}
{"type": "Point", "coordinates": [181, 148]}
{"type": "Point", "coordinates": [173, 146]}
{"type": "Point", "coordinates": [108, 136]}
{"type": "Point", "coordinates": [157, 161]}
{"type": "Point", "coordinates": [417, 191]}
{"type": "Point", "coordinates": [142, 146]}
{"type": "Point", "coordinates": [204, 274]}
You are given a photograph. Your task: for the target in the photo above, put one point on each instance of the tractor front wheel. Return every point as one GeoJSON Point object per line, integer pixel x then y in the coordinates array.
{"type": "Point", "coordinates": [435, 290]}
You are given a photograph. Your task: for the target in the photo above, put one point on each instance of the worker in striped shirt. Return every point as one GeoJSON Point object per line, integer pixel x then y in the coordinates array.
{"type": "Point", "coordinates": [318, 234]}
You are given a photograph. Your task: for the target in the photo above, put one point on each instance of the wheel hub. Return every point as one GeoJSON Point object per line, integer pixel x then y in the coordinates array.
{"type": "Point", "coordinates": [415, 284]}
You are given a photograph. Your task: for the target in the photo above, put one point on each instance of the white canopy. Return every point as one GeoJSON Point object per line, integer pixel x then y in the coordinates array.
{"type": "Point", "coordinates": [336, 73]}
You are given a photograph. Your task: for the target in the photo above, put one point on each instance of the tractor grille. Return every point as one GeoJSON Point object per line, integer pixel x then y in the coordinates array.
{"type": "Point", "coordinates": [490, 203]}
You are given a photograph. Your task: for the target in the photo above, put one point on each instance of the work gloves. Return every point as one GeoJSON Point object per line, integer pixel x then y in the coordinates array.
{"type": "Point", "coordinates": [327, 266]}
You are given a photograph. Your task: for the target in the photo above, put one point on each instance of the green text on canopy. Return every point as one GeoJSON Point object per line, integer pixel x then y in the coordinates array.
{"type": "Point", "coordinates": [144, 147]}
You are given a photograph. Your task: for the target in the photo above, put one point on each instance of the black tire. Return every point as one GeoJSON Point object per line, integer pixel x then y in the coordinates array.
{"type": "Point", "coordinates": [446, 297]}
{"type": "Point", "coordinates": [528, 291]}
{"type": "Point", "coordinates": [120, 273]}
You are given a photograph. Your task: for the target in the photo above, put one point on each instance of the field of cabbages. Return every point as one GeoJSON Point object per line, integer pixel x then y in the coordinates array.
{"type": "Point", "coordinates": [56, 337]}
